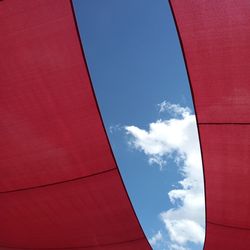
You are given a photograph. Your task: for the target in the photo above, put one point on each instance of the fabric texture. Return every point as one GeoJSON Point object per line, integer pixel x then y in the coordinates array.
{"type": "Point", "coordinates": [60, 187]}
{"type": "Point", "coordinates": [215, 40]}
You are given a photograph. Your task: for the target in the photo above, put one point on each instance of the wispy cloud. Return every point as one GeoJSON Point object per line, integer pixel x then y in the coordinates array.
{"type": "Point", "coordinates": [174, 109]}
{"type": "Point", "coordinates": [156, 238]}
{"type": "Point", "coordinates": [114, 128]}
{"type": "Point", "coordinates": [177, 138]}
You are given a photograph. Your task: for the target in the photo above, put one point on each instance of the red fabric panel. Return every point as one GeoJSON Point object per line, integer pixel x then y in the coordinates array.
{"type": "Point", "coordinates": [91, 208]}
{"type": "Point", "coordinates": [59, 183]}
{"type": "Point", "coordinates": [226, 156]}
{"type": "Point", "coordinates": [219, 237]}
{"type": "Point", "coordinates": [216, 38]}
{"type": "Point", "coordinates": [216, 44]}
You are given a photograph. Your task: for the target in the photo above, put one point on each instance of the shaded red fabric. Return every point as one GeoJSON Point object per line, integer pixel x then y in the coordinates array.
{"type": "Point", "coordinates": [59, 184]}
{"type": "Point", "coordinates": [216, 44]}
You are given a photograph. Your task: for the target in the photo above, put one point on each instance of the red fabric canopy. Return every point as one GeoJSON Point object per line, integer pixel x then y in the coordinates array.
{"type": "Point", "coordinates": [59, 184]}
{"type": "Point", "coordinates": [215, 36]}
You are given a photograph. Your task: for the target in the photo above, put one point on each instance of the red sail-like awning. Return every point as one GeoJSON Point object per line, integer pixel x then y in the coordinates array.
{"type": "Point", "coordinates": [59, 184]}
{"type": "Point", "coordinates": [215, 36]}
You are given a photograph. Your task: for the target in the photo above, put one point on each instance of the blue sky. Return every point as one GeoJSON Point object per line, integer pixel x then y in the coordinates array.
{"type": "Point", "coordinates": [139, 77]}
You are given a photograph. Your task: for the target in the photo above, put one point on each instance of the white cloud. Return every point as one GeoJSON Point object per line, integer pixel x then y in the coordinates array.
{"type": "Point", "coordinates": [183, 230]}
{"type": "Point", "coordinates": [177, 247]}
{"type": "Point", "coordinates": [178, 138]}
{"type": "Point", "coordinates": [155, 238]}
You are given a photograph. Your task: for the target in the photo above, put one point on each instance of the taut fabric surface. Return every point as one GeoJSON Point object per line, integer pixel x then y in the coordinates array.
{"type": "Point", "coordinates": [215, 36]}
{"type": "Point", "coordinates": [59, 184]}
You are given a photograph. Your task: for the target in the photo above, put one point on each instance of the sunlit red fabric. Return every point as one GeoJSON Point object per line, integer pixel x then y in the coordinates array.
{"type": "Point", "coordinates": [59, 183]}
{"type": "Point", "coordinates": [215, 35]}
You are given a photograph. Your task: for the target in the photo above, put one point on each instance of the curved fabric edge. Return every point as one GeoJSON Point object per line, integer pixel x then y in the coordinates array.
{"type": "Point", "coordinates": [48, 199]}
{"type": "Point", "coordinates": [215, 44]}
{"type": "Point", "coordinates": [198, 128]}
{"type": "Point", "coordinates": [84, 57]}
